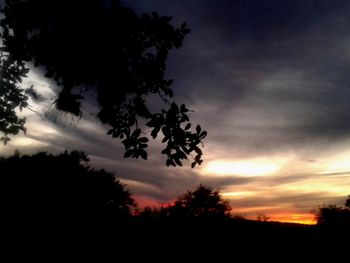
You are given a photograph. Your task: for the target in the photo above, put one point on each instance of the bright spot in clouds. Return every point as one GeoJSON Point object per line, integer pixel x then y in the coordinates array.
{"type": "Point", "coordinates": [237, 194]}
{"type": "Point", "coordinates": [338, 164]}
{"type": "Point", "coordinates": [25, 141]}
{"type": "Point", "coordinates": [257, 167]}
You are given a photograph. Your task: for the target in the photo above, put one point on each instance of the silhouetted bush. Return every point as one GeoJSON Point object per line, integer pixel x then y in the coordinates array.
{"type": "Point", "coordinates": [60, 187]}
{"type": "Point", "coordinates": [202, 202]}
{"type": "Point", "coordinates": [333, 215]}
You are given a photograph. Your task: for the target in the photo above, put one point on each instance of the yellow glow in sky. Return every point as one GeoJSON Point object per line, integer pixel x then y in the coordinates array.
{"type": "Point", "coordinates": [26, 141]}
{"type": "Point", "coordinates": [300, 218]}
{"type": "Point", "coordinates": [237, 194]}
{"type": "Point", "coordinates": [244, 168]}
{"type": "Point", "coordinates": [338, 164]}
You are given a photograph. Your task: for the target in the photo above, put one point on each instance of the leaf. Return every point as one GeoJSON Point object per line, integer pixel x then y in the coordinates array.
{"type": "Point", "coordinates": [184, 148]}
{"type": "Point", "coordinates": [143, 140]}
{"type": "Point", "coordinates": [183, 108]}
{"type": "Point", "coordinates": [165, 139]}
{"type": "Point", "coordinates": [185, 117]}
{"type": "Point", "coordinates": [24, 129]}
{"type": "Point", "coordinates": [110, 131]}
{"type": "Point", "coordinates": [128, 153]}
{"type": "Point", "coordinates": [198, 129]}
{"type": "Point", "coordinates": [116, 134]}
{"type": "Point", "coordinates": [178, 162]}
{"type": "Point", "coordinates": [204, 134]}
{"type": "Point", "coordinates": [143, 154]}
{"type": "Point", "coordinates": [167, 162]}
{"type": "Point", "coordinates": [165, 131]}
{"type": "Point", "coordinates": [151, 123]}
{"type": "Point", "coordinates": [188, 125]}
{"type": "Point", "coordinates": [193, 165]}
{"type": "Point", "coordinates": [136, 133]}
{"type": "Point", "coordinates": [170, 162]}
{"type": "Point", "coordinates": [182, 155]}
{"type": "Point", "coordinates": [155, 131]}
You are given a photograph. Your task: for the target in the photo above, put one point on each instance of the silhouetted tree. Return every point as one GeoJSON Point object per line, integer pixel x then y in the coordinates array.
{"type": "Point", "coordinates": [262, 217]}
{"type": "Point", "coordinates": [60, 186]}
{"type": "Point", "coordinates": [202, 202]}
{"type": "Point", "coordinates": [332, 215]}
{"type": "Point", "coordinates": [347, 202]}
{"type": "Point", "coordinates": [104, 47]}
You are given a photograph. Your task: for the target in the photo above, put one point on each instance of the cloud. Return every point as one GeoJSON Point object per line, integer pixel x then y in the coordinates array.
{"type": "Point", "coordinates": [273, 75]}
{"type": "Point", "coordinates": [283, 91]}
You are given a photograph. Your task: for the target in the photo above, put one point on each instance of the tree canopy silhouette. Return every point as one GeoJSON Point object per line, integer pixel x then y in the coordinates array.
{"type": "Point", "coordinates": [202, 202]}
{"type": "Point", "coordinates": [104, 47]}
{"type": "Point", "coordinates": [60, 185]}
{"type": "Point", "coordinates": [333, 215]}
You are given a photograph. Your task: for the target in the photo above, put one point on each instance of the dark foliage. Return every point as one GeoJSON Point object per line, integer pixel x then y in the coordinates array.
{"type": "Point", "coordinates": [333, 215]}
{"type": "Point", "coordinates": [52, 187]}
{"type": "Point", "coordinates": [347, 202]}
{"type": "Point", "coordinates": [12, 96]}
{"type": "Point", "coordinates": [104, 47]}
{"type": "Point", "coordinates": [202, 203]}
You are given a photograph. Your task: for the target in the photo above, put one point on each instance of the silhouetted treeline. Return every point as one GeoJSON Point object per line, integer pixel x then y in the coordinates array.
{"type": "Point", "coordinates": [50, 202]}
{"type": "Point", "coordinates": [203, 203]}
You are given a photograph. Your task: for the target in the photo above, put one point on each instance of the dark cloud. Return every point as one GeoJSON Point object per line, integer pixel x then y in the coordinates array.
{"type": "Point", "coordinates": [280, 66]}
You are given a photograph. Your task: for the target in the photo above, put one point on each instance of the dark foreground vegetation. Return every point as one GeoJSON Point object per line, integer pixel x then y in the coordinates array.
{"type": "Point", "coordinates": [57, 203]}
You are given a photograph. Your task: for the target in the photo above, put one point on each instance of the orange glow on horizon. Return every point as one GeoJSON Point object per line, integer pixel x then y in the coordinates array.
{"type": "Point", "coordinates": [307, 219]}
{"type": "Point", "coordinates": [285, 217]}
{"type": "Point", "coordinates": [248, 212]}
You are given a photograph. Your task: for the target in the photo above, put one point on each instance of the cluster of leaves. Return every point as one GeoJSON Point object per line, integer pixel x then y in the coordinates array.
{"type": "Point", "coordinates": [180, 141]}
{"type": "Point", "coordinates": [105, 47]}
{"type": "Point", "coordinates": [12, 96]}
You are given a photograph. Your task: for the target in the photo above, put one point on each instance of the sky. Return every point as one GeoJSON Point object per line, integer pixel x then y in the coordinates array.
{"type": "Point", "coordinates": [268, 79]}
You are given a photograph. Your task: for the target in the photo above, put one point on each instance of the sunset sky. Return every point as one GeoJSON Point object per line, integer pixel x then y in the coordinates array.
{"type": "Point", "coordinates": [270, 82]}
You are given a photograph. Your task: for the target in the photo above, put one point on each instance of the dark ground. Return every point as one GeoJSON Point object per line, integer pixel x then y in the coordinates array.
{"type": "Point", "coordinates": [198, 240]}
